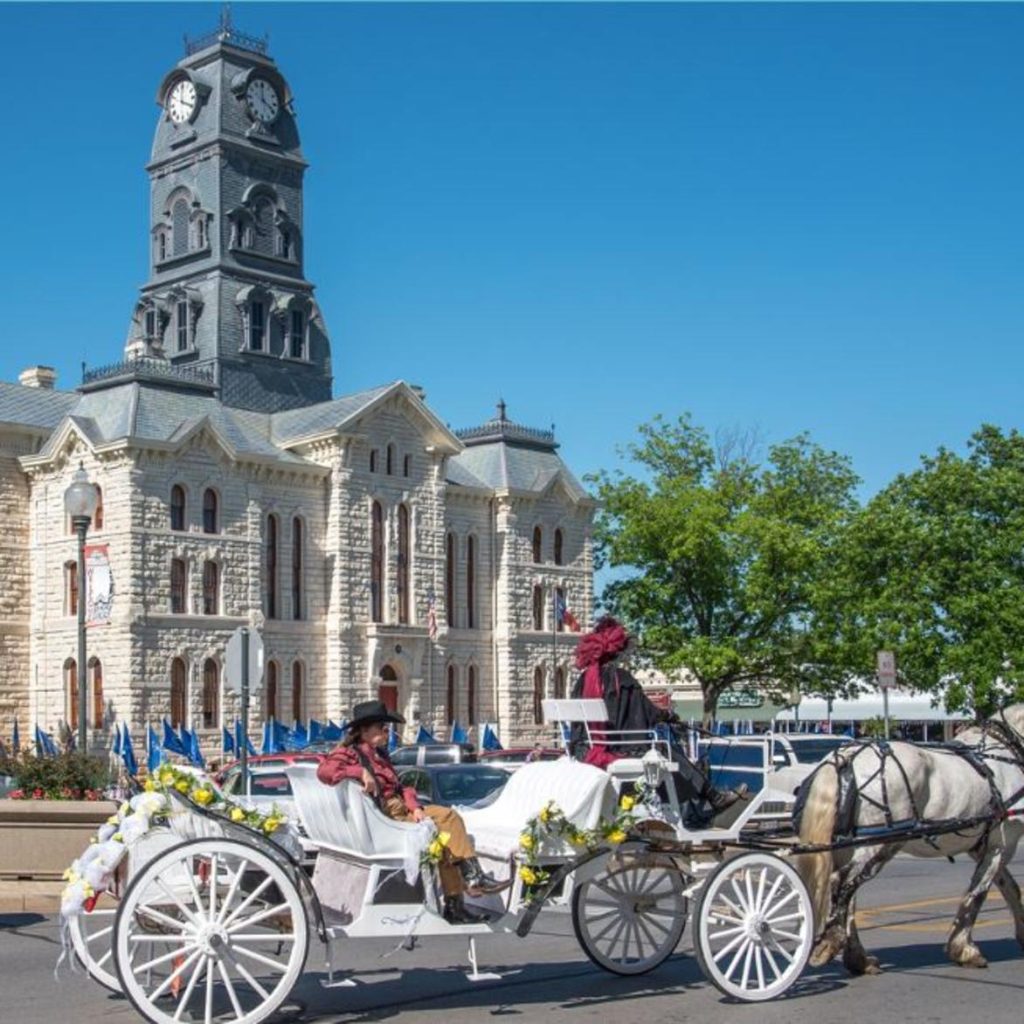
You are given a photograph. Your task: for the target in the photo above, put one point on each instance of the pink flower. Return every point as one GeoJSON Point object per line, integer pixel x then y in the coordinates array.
{"type": "Point", "coordinates": [38, 794]}
{"type": "Point", "coordinates": [16, 794]}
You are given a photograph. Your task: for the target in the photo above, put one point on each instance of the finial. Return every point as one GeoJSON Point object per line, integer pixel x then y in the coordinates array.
{"type": "Point", "coordinates": [501, 410]}
{"type": "Point", "coordinates": [225, 19]}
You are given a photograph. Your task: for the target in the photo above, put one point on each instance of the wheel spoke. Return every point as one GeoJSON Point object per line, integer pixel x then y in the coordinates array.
{"type": "Point", "coordinates": [213, 889]}
{"type": "Point", "coordinates": [776, 932]}
{"type": "Point", "coordinates": [174, 898]}
{"type": "Point", "coordinates": [772, 911]}
{"type": "Point", "coordinates": [263, 937]}
{"type": "Point", "coordinates": [275, 965]}
{"type": "Point", "coordinates": [255, 894]}
{"type": "Point", "coordinates": [729, 947]}
{"type": "Point", "coordinates": [179, 926]}
{"type": "Point", "coordinates": [261, 916]}
{"type": "Point", "coordinates": [208, 1008]}
{"type": "Point", "coordinates": [106, 956]}
{"type": "Point", "coordinates": [181, 938]}
{"type": "Point", "coordinates": [264, 994]}
{"type": "Point", "coordinates": [156, 961]}
{"type": "Point", "coordinates": [232, 889]}
{"type": "Point", "coordinates": [746, 964]}
{"type": "Point", "coordinates": [235, 1005]}
{"type": "Point", "coordinates": [771, 963]}
{"type": "Point", "coordinates": [744, 907]}
{"type": "Point", "coordinates": [190, 988]}
{"type": "Point", "coordinates": [95, 936]}
{"type": "Point", "coordinates": [176, 973]}
{"type": "Point", "coordinates": [759, 967]}
{"type": "Point", "coordinates": [736, 959]}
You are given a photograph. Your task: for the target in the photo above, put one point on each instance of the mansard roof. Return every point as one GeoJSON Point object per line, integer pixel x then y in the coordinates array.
{"type": "Point", "coordinates": [38, 408]}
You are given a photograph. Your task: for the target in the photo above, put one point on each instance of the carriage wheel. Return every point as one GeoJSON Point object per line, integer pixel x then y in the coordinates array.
{"type": "Point", "coordinates": [630, 918]}
{"type": "Point", "coordinates": [755, 925]}
{"type": "Point", "coordinates": [92, 938]}
{"type": "Point", "coordinates": [212, 930]}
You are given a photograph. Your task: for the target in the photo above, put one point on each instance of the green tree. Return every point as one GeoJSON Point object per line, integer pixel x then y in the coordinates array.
{"type": "Point", "coordinates": [933, 569]}
{"type": "Point", "coordinates": [719, 558]}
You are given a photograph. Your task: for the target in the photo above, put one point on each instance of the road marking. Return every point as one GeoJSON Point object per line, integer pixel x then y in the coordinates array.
{"type": "Point", "coordinates": [865, 918]}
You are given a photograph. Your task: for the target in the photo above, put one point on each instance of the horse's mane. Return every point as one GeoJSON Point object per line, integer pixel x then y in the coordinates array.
{"type": "Point", "coordinates": [1013, 715]}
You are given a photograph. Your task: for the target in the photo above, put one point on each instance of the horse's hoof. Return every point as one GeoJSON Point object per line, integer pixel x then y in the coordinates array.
{"type": "Point", "coordinates": [872, 966]}
{"type": "Point", "coordinates": [969, 956]}
{"type": "Point", "coordinates": [822, 954]}
{"type": "Point", "coordinates": [862, 965]}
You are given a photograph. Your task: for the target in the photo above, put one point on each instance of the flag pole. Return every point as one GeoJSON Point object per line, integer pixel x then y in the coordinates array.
{"type": "Point", "coordinates": [554, 638]}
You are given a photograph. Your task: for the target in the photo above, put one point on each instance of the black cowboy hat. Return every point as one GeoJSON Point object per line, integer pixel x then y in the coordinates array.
{"type": "Point", "coordinates": [369, 711]}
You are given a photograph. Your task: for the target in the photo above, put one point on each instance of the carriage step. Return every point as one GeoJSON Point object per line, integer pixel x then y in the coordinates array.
{"type": "Point", "coordinates": [475, 974]}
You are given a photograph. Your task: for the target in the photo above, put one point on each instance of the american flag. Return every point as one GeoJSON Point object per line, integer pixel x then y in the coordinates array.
{"type": "Point", "coordinates": [563, 614]}
{"type": "Point", "coordinates": [431, 617]}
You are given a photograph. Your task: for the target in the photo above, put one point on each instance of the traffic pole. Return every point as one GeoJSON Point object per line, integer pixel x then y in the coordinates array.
{"type": "Point", "coordinates": [244, 754]}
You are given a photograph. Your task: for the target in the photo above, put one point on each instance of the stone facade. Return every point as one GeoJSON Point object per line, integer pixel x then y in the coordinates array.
{"type": "Point", "coordinates": [374, 513]}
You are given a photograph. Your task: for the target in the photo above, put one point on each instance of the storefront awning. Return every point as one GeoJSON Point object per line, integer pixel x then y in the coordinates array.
{"type": "Point", "coordinates": [903, 707]}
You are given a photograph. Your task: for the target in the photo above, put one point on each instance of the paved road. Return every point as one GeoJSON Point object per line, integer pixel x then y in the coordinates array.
{"type": "Point", "coordinates": [905, 914]}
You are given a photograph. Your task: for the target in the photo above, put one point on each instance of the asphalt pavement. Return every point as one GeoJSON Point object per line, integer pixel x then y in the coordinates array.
{"type": "Point", "coordinates": [904, 917]}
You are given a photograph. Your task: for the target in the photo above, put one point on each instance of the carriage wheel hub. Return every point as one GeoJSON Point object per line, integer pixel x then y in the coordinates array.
{"type": "Point", "coordinates": [213, 939]}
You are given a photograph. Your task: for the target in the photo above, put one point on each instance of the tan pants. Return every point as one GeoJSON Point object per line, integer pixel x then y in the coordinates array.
{"type": "Point", "coordinates": [460, 846]}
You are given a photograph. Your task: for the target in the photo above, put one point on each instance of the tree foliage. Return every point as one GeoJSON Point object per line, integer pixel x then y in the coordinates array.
{"type": "Point", "coordinates": [933, 569]}
{"type": "Point", "coordinates": [719, 559]}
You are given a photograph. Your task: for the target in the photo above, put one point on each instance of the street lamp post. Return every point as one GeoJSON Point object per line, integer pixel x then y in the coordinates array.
{"type": "Point", "coordinates": [80, 501]}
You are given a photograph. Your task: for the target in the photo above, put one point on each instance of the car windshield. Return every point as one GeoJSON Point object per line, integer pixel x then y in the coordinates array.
{"type": "Point", "coordinates": [466, 787]}
{"type": "Point", "coordinates": [811, 751]}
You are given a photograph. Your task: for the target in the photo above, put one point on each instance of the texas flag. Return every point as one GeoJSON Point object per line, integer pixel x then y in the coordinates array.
{"type": "Point", "coordinates": [563, 615]}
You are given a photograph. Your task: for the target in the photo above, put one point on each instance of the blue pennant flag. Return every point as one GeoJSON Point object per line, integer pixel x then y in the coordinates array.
{"type": "Point", "coordinates": [155, 755]}
{"type": "Point", "coordinates": [44, 744]}
{"type": "Point", "coordinates": [298, 738]}
{"type": "Point", "coordinates": [128, 751]}
{"type": "Point", "coordinates": [115, 748]}
{"type": "Point", "coordinates": [15, 738]}
{"type": "Point", "coordinates": [332, 732]}
{"type": "Point", "coordinates": [459, 735]}
{"type": "Point", "coordinates": [490, 740]}
{"type": "Point", "coordinates": [195, 755]}
{"type": "Point", "coordinates": [172, 741]}
{"type": "Point", "coordinates": [424, 737]}
{"type": "Point", "coordinates": [227, 741]}
{"type": "Point", "coordinates": [275, 737]}
{"type": "Point", "coordinates": [239, 740]}
{"type": "Point", "coordinates": [392, 739]}
{"type": "Point", "coordinates": [316, 731]}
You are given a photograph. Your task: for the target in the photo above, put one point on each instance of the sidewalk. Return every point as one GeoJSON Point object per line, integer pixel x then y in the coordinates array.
{"type": "Point", "coordinates": [30, 897]}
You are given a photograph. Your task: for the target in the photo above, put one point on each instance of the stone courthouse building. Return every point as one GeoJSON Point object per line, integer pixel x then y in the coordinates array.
{"type": "Point", "coordinates": [379, 551]}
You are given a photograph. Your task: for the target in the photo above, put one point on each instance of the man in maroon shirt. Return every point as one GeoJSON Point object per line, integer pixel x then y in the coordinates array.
{"type": "Point", "coordinates": [362, 757]}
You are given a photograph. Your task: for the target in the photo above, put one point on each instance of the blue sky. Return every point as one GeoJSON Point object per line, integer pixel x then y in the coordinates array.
{"type": "Point", "coordinates": [798, 217]}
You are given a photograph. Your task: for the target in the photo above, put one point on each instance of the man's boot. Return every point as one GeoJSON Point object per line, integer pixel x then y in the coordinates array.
{"type": "Point", "coordinates": [479, 881]}
{"type": "Point", "coordinates": [723, 803]}
{"type": "Point", "coordinates": [455, 911]}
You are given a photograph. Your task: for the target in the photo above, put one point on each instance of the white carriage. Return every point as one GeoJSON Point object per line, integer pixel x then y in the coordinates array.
{"type": "Point", "coordinates": [217, 927]}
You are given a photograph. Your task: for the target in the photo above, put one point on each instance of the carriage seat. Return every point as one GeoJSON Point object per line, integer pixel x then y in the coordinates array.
{"type": "Point", "coordinates": [345, 819]}
{"type": "Point", "coordinates": [583, 792]}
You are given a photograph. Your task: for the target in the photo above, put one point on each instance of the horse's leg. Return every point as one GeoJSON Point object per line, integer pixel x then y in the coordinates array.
{"type": "Point", "coordinates": [830, 941]}
{"type": "Point", "coordinates": [1011, 893]}
{"type": "Point", "coordinates": [960, 946]}
{"type": "Point", "coordinates": [856, 959]}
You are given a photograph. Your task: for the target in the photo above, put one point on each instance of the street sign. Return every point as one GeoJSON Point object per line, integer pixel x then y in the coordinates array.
{"type": "Point", "coordinates": [233, 660]}
{"type": "Point", "coordinates": [886, 670]}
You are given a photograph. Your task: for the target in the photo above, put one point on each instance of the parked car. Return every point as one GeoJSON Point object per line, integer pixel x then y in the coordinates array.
{"type": "Point", "coordinates": [434, 753]}
{"type": "Point", "coordinates": [516, 757]}
{"type": "Point", "coordinates": [229, 776]}
{"type": "Point", "coordinates": [795, 756]}
{"type": "Point", "coordinates": [449, 784]}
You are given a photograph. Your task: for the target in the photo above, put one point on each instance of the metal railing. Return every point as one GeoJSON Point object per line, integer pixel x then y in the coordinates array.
{"type": "Point", "coordinates": [149, 367]}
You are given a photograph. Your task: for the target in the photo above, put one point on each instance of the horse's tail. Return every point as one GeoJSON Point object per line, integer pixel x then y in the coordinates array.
{"type": "Point", "coordinates": [817, 826]}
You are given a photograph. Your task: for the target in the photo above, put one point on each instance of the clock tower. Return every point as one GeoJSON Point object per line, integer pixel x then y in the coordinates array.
{"type": "Point", "coordinates": [227, 296]}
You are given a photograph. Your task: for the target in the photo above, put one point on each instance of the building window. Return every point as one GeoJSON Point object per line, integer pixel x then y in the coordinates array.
{"type": "Point", "coordinates": [471, 695]}
{"type": "Point", "coordinates": [177, 507]}
{"type": "Point", "coordinates": [150, 324]}
{"type": "Point", "coordinates": [201, 233]}
{"type": "Point", "coordinates": [70, 588]}
{"type": "Point", "coordinates": [284, 244]}
{"type": "Point", "coordinates": [538, 696]}
{"type": "Point", "coordinates": [297, 568]}
{"type": "Point", "coordinates": [71, 689]}
{"type": "Point", "coordinates": [297, 715]}
{"type": "Point", "coordinates": [211, 588]}
{"type": "Point", "coordinates": [161, 243]}
{"type": "Point", "coordinates": [178, 587]}
{"type": "Point", "coordinates": [211, 693]}
{"type": "Point", "coordinates": [449, 579]}
{"type": "Point", "coordinates": [373, 460]}
{"type": "Point", "coordinates": [558, 547]}
{"type": "Point", "coordinates": [272, 540]}
{"type": "Point", "coordinates": [178, 696]}
{"type": "Point", "coordinates": [377, 563]}
{"type": "Point", "coordinates": [403, 564]}
{"type": "Point", "coordinates": [471, 583]}
{"type": "Point", "coordinates": [97, 519]}
{"type": "Point", "coordinates": [450, 709]}
{"type": "Point", "coordinates": [179, 225]}
{"type": "Point", "coordinates": [297, 334]}
{"type": "Point", "coordinates": [257, 326]}
{"type": "Point", "coordinates": [559, 605]}
{"type": "Point", "coordinates": [96, 686]}
{"type": "Point", "coordinates": [406, 465]}
{"type": "Point", "coordinates": [538, 607]}
{"type": "Point", "coordinates": [210, 524]}
{"type": "Point", "coordinates": [560, 683]}
{"type": "Point", "coordinates": [390, 459]}
{"type": "Point", "coordinates": [270, 697]}
{"type": "Point", "coordinates": [538, 538]}
{"type": "Point", "coordinates": [181, 316]}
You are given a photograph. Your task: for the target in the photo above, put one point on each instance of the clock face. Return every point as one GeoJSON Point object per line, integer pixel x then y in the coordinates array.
{"type": "Point", "coordinates": [262, 99]}
{"type": "Point", "coordinates": [181, 104]}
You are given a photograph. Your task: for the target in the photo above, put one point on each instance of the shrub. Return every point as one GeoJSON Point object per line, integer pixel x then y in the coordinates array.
{"type": "Point", "coordinates": [69, 776]}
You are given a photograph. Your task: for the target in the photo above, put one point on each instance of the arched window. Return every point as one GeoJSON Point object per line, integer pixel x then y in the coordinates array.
{"type": "Point", "coordinates": [96, 688]}
{"type": "Point", "coordinates": [538, 696]}
{"type": "Point", "coordinates": [450, 709]}
{"type": "Point", "coordinates": [449, 579]}
{"type": "Point", "coordinates": [161, 245]}
{"type": "Point", "coordinates": [178, 695]}
{"type": "Point", "coordinates": [97, 519]}
{"type": "Point", "coordinates": [538, 540]}
{"type": "Point", "coordinates": [406, 465]}
{"type": "Point", "coordinates": [471, 582]}
{"type": "Point", "coordinates": [179, 226]}
{"type": "Point", "coordinates": [70, 588]}
{"type": "Point", "coordinates": [390, 459]}
{"type": "Point", "coordinates": [538, 607]}
{"type": "Point", "coordinates": [201, 233]}
{"type": "Point", "coordinates": [211, 693]}
{"type": "Point", "coordinates": [177, 507]}
{"type": "Point", "coordinates": [558, 547]}
{"type": "Point", "coordinates": [373, 460]}
{"type": "Point", "coordinates": [560, 682]}
{"type": "Point", "coordinates": [272, 541]}
{"type": "Point", "coordinates": [211, 588]}
{"type": "Point", "coordinates": [387, 689]}
{"type": "Point", "coordinates": [297, 334]}
{"type": "Point", "coordinates": [257, 326]}
{"type": "Point", "coordinates": [377, 563]}
{"type": "Point", "coordinates": [270, 697]}
{"type": "Point", "coordinates": [211, 523]}
{"type": "Point", "coordinates": [284, 243]}
{"type": "Point", "coordinates": [403, 564]}
{"type": "Point", "coordinates": [297, 714]}
{"type": "Point", "coordinates": [179, 577]}
{"type": "Point", "coordinates": [71, 689]}
{"type": "Point", "coordinates": [264, 217]}
{"type": "Point", "coordinates": [471, 695]}
{"type": "Point", "coordinates": [181, 325]}
{"type": "Point", "coordinates": [149, 324]}
{"type": "Point", "coordinates": [297, 543]}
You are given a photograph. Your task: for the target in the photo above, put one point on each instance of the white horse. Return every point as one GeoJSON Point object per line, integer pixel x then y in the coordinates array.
{"type": "Point", "coordinates": [926, 784]}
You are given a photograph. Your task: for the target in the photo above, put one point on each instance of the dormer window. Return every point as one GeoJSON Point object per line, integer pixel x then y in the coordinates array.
{"type": "Point", "coordinates": [201, 233]}
{"type": "Point", "coordinates": [257, 326]}
{"type": "Point", "coordinates": [284, 244]}
{"type": "Point", "coordinates": [297, 335]}
{"type": "Point", "coordinates": [161, 244]}
{"type": "Point", "coordinates": [181, 325]}
{"type": "Point", "coordinates": [179, 225]}
{"type": "Point", "coordinates": [150, 324]}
